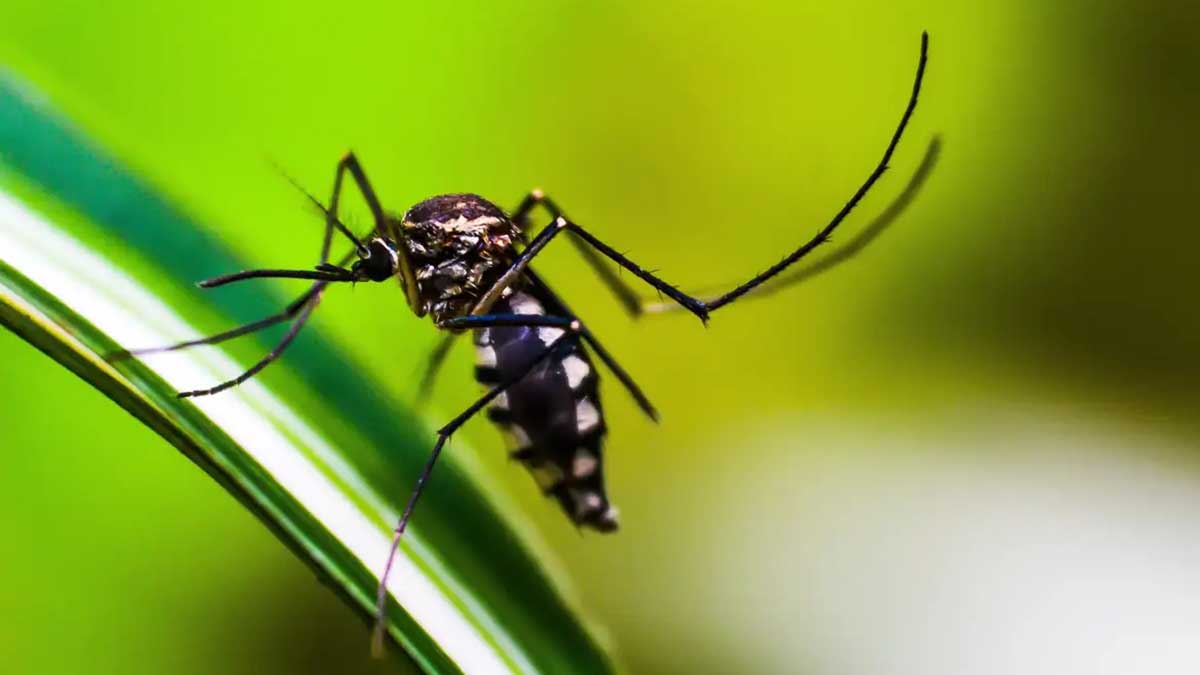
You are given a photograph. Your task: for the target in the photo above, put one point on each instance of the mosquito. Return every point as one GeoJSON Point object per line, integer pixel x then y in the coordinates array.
{"type": "Point", "coordinates": [465, 263]}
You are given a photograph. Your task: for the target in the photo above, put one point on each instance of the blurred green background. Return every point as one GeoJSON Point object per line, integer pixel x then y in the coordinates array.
{"type": "Point", "coordinates": [971, 449]}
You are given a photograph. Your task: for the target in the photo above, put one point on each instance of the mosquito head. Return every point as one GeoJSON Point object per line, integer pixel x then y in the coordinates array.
{"type": "Point", "coordinates": [381, 261]}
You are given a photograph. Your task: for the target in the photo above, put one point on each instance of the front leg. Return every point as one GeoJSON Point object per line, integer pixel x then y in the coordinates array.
{"type": "Point", "coordinates": [637, 307]}
{"type": "Point", "coordinates": [568, 336]}
{"type": "Point", "coordinates": [628, 298]}
{"type": "Point", "coordinates": [700, 307]}
{"type": "Point", "coordinates": [539, 243]}
{"type": "Point", "coordinates": [567, 323]}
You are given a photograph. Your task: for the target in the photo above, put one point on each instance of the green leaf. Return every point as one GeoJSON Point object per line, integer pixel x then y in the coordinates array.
{"type": "Point", "coordinates": [92, 259]}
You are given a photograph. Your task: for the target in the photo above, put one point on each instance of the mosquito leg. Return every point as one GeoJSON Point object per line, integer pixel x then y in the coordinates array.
{"type": "Point", "coordinates": [244, 329]}
{"type": "Point", "coordinates": [325, 273]}
{"type": "Point", "coordinates": [538, 243]}
{"type": "Point", "coordinates": [626, 380]}
{"type": "Point", "coordinates": [693, 305]}
{"type": "Point", "coordinates": [624, 293]}
{"type": "Point", "coordinates": [570, 323]}
{"type": "Point", "coordinates": [302, 307]}
{"type": "Point", "coordinates": [546, 236]}
{"type": "Point", "coordinates": [557, 306]}
{"type": "Point", "coordinates": [517, 268]}
{"type": "Point", "coordinates": [848, 250]}
{"type": "Point", "coordinates": [696, 306]}
{"type": "Point", "coordinates": [443, 435]}
{"type": "Point", "coordinates": [490, 320]}
{"type": "Point", "coordinates": [292, 309]}
{"type": "Point", "coordinates": [436, 358]}
{"type": "Point", "coordinates": [823, 236]}
{"type": "Point", "coordinates": [349, 162]}
{"type": "Point", "coordinates": [305, 312]}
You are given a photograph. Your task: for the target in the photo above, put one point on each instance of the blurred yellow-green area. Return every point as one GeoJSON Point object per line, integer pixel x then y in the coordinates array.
{"type": "Point", "coordinates": [971, 448]}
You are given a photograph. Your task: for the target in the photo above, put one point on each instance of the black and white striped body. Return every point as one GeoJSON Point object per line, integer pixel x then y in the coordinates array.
{"type": "Point", "coordinates": [552, 416]}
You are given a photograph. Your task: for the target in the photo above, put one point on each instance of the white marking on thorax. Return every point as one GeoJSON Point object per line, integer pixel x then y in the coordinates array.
{"type": "Point", "coordinates": [576, 369]}
{"type": "Point", "coordinates": [473, 226]}
{"type": "Point", "coordinates": [586, 415]}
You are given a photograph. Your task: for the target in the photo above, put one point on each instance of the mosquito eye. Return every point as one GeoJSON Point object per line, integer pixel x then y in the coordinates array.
{"type": "Point", "coordinates": [381, 261]}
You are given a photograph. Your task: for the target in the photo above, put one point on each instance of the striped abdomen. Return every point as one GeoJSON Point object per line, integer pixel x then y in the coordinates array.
{"type": "Point", "coordinates": [552, 416]}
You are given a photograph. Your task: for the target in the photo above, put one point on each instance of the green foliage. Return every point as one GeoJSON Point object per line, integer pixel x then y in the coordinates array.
{"type": "Point", "coordinates": [324, 473]}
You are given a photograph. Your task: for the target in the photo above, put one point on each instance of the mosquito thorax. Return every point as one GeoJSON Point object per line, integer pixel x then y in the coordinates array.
{"type": "Point", "coordinates": [457, 245]}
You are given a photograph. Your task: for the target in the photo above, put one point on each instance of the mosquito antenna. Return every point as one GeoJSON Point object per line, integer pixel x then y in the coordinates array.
{"type": "Point", "coordinates": [329, 216]}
